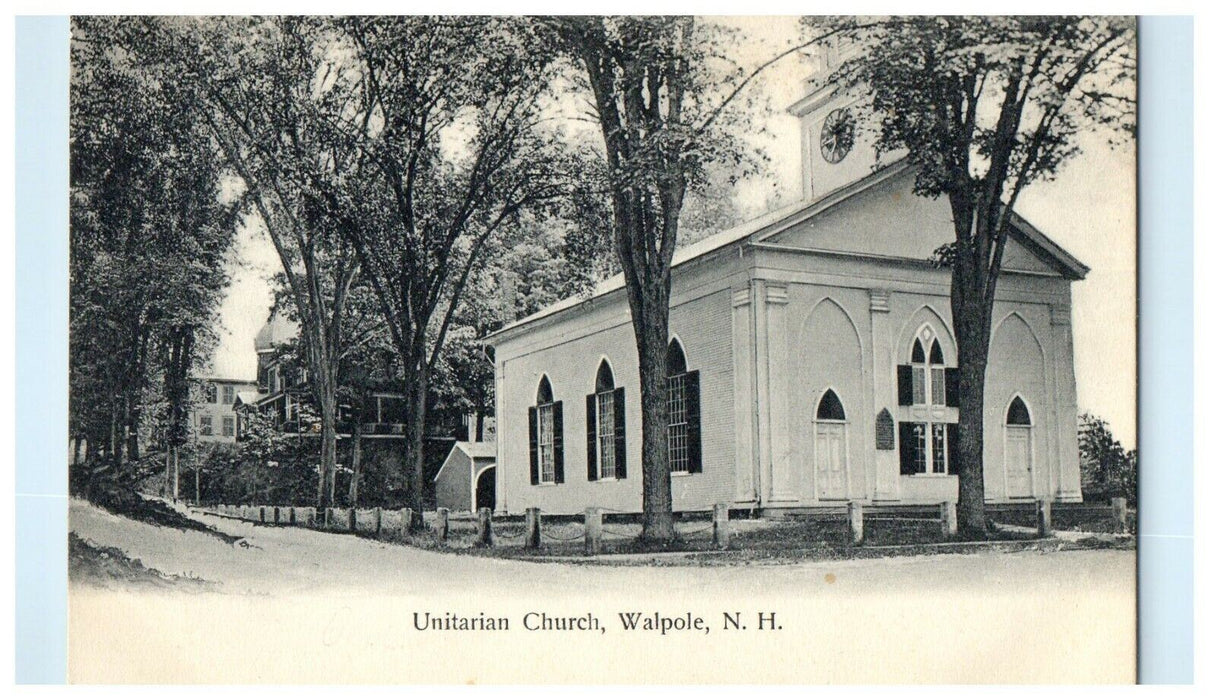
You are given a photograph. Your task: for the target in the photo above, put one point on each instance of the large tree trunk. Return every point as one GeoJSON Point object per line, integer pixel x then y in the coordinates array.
{"type": "Point", "coordinates": [971, 314]}
{"type": "Point", "coordinates": [658, 524]}
{"type": "Point", "coordinates": [416, 421]}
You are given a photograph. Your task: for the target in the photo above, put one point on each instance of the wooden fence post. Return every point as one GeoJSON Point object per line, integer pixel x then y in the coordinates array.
{"type": "Point", "coordinates": [407, 514]}
{"type": "Point", "coordinates": [722, 534]}
{"type": "Point", "coordinates": [854, 513]}
{"type": "Point", "coordinates": [1119, 514]}
{"type": "Point", "coordinates": [376, 517]}
{"type": "Point", "coordinates": [441, 524]}
{"type": "Point", "coordinates": [592, 522]}
{"type": "Point", "coordinates": [949, 517]}
{"type": "Point", "coordinates": [351, 524]}
{"type": "Point", "coordinates": [1043, 518]}
{"type": "Point", "coordinates": [532, 528]}
{"type": "Point", "coordinates": [485, 532]}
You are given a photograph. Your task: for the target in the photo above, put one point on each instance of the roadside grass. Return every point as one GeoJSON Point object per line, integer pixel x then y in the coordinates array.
{"type": "Point", "coordinates": [807, 537]}
{"type": "Point", "coordinates": [797, 538]}
{"type": "Point", "coordinates": [124, 501]}
{"type": "Point", "coordinates": [1082, 517]}
{"type": "Point", "coordinates": [109, 567]}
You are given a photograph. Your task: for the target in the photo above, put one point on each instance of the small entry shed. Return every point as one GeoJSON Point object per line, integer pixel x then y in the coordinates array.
{"type": "Point", "coordinates": [465, 481]}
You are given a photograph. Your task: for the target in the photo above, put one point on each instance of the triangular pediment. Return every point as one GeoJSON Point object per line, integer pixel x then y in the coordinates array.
{"type": "Point", "coordinates": [887, 220]}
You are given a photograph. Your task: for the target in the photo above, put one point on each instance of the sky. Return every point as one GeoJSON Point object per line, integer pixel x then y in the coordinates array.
{"type": "Point", "coordinates": [1089, 209]}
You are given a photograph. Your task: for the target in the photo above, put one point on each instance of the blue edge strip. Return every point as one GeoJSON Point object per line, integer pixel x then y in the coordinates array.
{"type": "Point", "coordinates": [1165, 567]}
{"type": "Point", "coordinates": [42, 348]}
{"type": "Point", "coordinates": [1165, 410]}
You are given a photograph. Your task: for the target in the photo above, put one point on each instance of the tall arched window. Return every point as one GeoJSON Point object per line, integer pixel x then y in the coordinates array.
{"type": "Point", "coordinates": [684, 413]}
{"type": "Point", "coordinates": [606, 428]}
{"type": "Point", "coordinates": [545, 437]}
{"type": "Point", "coordinates": [927, 385]}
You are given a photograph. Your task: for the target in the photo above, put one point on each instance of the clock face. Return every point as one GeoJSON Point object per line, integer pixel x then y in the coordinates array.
{"type": "Point", "coordinates": [837, 136]}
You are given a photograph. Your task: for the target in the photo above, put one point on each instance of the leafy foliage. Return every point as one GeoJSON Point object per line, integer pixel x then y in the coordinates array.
{"type": "Point", "coordinates": [1108, 469]}
{"type": "Point", "coordinates": [151, 225]}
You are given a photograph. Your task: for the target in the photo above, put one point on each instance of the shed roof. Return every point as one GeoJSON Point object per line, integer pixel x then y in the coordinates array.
{"type": "Point", "coordinates": [477, 450]}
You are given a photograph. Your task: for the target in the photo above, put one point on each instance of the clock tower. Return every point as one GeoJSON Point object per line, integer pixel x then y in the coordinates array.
{"type": "Point", "coordinates": [836, 151]}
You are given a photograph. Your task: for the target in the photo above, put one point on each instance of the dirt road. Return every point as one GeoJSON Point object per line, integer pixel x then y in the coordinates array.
{"type": "Point", "coordinates": [299, 605]}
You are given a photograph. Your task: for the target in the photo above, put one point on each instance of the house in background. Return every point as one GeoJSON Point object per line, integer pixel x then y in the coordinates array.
{"type": "Point", "coordinates": [465, 481]}
{"type": "Point", "coordinates": [375, 422]}
{"type": "Point", "coordinates": [214, 418]}
{"type": "Point", "coordinates": [811, 359]}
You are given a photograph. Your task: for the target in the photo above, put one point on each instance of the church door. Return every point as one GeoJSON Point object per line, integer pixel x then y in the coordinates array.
{"type": "Point", "coordinates": [1018, 450]}
{"type": "Point", "coordinates": [830, 448]}
{"type": "Point", "coordinates": [1018, 462]}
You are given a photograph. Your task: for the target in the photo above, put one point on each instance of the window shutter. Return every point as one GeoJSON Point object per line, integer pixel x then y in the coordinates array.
{"type": "Point", "coordinates": [533, 474]}
{"type": "Point", "coordinates": [619, 429]}
{"type": "Point", "coordinates": [591, 437]}
{"type": "Point", "coordinates": [559, 463]}
{"type": "Point", "coordinates": [693, 417]}
{"type": "Point", "coordinates": [904, 385]}
{"type": "Point", "coordinates": [952, 446]}
{"type": "Point", "coordinates": [908, 448]}
{"type": "Point", "coordinates": [952, 376]}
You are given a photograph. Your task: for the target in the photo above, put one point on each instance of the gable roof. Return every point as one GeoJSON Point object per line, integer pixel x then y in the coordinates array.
{"type": "Point", "coordinates": [778, 220]}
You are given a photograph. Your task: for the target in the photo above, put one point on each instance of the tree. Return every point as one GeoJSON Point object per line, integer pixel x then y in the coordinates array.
{"type": "Point", "coordinates": [259, 84]}
{"type": "Point", "coordinates": [150, 229]}
{"type": "Point", "coordinates": [665, 103]}
{"type": "Point", "coordinates": [983, 107]}
{"type": "Point", "coordinates": [1107, 468]}
{"type": "Point", "coordinates": [445, 116]}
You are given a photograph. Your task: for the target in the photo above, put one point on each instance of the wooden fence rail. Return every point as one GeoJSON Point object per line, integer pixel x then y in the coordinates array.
{"type": "Point", "coordinates": [382, 523]}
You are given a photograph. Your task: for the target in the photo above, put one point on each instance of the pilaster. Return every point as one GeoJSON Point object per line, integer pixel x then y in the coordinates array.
{"type": "Point", "coordinates": [743, 366]}
{"type": "Point", "coordinates": [777, 348]}
{"type": "Point", "coordinates": [1067, 485]}
{"type": "Point", "coordinates": [887, 462]}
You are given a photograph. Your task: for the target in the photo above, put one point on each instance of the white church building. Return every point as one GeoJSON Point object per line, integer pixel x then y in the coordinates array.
{"type": "Point", "coordinates": [811, 360]}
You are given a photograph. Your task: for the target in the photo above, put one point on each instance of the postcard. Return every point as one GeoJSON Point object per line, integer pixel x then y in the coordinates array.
{"type": "Point", "coordinates": [603, 349]}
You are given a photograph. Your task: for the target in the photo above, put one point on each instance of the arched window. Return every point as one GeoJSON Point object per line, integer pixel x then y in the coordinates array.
{"type": "Point", "coordinates": [606, 428]}
{"type": "Point", "coordinates": [545, 437]}
{"type": "Point", "coordinates": [676, 359]}
{"type": "Point", "coordinates": [927, 375]}
{"type": "Point", "coordinates": [830, 407]}
{"type": "Point", "coordinates": [1017, 413]}
{"type": "Point", "coordinates": [684, 413]}
{"type": "Point", "coordinates": [604, 377]}
{"type": "Point", "coordinates": [545, 393]}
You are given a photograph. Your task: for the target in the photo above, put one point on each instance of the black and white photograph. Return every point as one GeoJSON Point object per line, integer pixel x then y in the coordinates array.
{"type": "Point", "coordinates": [603, 349]}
